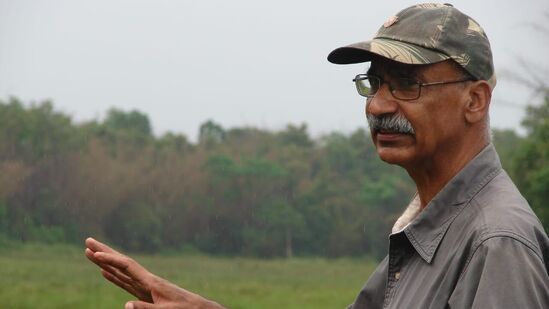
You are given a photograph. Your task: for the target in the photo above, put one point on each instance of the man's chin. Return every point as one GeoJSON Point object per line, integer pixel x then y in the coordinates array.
{"type": "Point", "coordinates": [394, 155]}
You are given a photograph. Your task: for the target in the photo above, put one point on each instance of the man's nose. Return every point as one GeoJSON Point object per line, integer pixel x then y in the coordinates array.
{"type": "Point", "coordinates": [383, 102]}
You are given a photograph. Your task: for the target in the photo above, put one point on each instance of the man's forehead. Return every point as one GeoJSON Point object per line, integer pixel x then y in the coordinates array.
{"type": "Point", "coordinates": [395, 68]}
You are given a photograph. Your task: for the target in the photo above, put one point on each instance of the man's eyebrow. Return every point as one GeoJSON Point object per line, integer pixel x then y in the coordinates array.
{"type": "Point", "coordinates": [405, 72]}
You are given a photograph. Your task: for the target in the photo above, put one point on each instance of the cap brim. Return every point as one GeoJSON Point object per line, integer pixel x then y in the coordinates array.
{"type": "Point", "coordinates": [391, 49]}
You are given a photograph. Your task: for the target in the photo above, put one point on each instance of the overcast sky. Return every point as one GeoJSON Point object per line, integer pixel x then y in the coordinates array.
{"type": "Point", "coordinates": [240, 62]}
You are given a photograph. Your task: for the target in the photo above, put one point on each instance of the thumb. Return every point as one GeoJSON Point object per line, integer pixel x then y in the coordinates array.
{"type": "Point", "coordinates": [139, 305]}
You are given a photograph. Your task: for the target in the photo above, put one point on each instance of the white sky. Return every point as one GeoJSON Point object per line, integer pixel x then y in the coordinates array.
{"type": "Point", "coordinates": [239, 62]}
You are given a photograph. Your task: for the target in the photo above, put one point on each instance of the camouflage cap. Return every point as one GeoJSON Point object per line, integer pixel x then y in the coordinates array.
{"type": "Point", "coordinates": [423, 34]}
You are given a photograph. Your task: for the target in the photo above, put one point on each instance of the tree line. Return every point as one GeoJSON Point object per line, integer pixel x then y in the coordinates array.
{"type": "Point", "coordinates": [236, 191]}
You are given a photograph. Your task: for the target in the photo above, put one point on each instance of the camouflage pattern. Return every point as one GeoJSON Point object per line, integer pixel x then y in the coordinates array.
{"type": "Point", "coordinates": [427, 33]}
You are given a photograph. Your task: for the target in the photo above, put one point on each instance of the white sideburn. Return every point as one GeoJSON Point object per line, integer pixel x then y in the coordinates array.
{"type": "Point", "coordinates": [411, 212]}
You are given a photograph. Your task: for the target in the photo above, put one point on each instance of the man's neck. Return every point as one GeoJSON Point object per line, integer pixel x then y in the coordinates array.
{"type": "Point", "coordinates": [433, 174]}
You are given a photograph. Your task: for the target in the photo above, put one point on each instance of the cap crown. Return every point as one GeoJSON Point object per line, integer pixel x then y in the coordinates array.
{"type": "Point", "coordinates": [444, 29]}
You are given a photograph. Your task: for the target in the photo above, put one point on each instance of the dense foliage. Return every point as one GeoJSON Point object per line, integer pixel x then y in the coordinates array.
{"type": "Point", "coordinates": [531, 162]}
{"type": "Point", "coordinates": [238, 191]}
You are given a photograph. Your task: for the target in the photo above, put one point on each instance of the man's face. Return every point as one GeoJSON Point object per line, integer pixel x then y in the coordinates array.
{"type": "Point", "coordinates": [430, 126]}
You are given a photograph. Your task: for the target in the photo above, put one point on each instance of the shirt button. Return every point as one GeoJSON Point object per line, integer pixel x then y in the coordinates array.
{"type": "Point", "coordinates": [397, 275]}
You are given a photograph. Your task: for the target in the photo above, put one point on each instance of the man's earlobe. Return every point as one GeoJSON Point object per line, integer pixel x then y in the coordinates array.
{"type": "Point", "coordinates": [476, 108]}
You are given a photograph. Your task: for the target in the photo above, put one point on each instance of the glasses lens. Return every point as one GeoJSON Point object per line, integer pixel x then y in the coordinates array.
{"type": "Point", "coordinates": [367, 85]}
{"type": "Point", "coordinates": [363, 87]}
{"type": "Point", "coordinates": [405, 88]}
{"type": "Point", "coordinates": [375, 83]}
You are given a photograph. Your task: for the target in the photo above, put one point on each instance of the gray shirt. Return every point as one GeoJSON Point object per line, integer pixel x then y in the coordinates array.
{"type": "Point", "coordinates": [477, 244]}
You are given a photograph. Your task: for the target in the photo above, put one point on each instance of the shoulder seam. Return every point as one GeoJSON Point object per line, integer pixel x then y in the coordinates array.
{"type": "Point", "coordinates": [485, 181]}
{"type": "Point", "coordinates": [501, 234]}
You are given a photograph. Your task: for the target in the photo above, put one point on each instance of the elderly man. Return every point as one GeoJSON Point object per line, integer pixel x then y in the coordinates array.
{"type": "Point", "coordinates": [468, 239]}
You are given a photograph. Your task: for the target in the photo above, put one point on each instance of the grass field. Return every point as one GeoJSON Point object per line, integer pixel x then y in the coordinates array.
{"type": "Point", "coordinates": [40, 276]}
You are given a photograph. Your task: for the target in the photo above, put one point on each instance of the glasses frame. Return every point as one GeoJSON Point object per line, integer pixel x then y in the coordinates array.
{"type": "Point", "coordinates": [369, 97]}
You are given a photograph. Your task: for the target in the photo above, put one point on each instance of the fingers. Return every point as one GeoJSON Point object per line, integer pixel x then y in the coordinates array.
{"type": "Point", "coordinates": [120, 269]}
{"type": "Point", "coordinates": [97, 246]}
{"type": "Point", "coordinates": [117, 260]}
{"type": "Point", "coordinates": [126, 273]}
{"type": "Point", "coordinates": [94, 246]}
{"type": "Point", "coordinates": [118, 274]}
{"type": "Point", "coordinates": [123, 285]}
{"type": "Point", "coordinates": [111, 260]}
{"type": "Point", "coordinates": [124, 264]}
{"type": "Point", "coordinates": [91, 256]}
{"type": "Point", "coordinates": [108, 268]}
{"type": "Point", "coordinates": [131, 286]}
{"type": "Point", "coordinates": [102, 255]}
{"type": "Point", "coordinates": [100, 260]}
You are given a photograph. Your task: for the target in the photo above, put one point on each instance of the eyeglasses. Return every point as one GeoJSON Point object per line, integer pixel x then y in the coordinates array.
{"type": "Point", "coordinates": [401, 88]}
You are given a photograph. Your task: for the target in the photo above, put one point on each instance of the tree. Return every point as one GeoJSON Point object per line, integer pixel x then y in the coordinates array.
{"type": "Point", "coordinates": [131, 128]}
{"type": "Point", "coordinates": [531, 167]}
{"type": "Point", "coordinates": [211, 133]}
{"type": "Point", "coordinates": [506, 143]}
{"type": "Point", "coordinates": [36, 132]}
{"type": "Point", "coordinates": [133, 122]}
{"type": "Point", "coordinates": [240, 191]}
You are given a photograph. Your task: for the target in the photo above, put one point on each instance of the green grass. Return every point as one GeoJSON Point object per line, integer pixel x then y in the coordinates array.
{"type": "Point", "coordinates": [40, 276]}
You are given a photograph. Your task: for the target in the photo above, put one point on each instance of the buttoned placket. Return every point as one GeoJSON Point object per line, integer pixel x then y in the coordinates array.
{"type": "Point", "coordinates": [397, 258]}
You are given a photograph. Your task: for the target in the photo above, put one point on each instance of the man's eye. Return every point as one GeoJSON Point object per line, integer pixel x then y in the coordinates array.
{"type": "Point", "coordinates": [406, 84]}
{"type": "Point", "coordinates": [374, 84]}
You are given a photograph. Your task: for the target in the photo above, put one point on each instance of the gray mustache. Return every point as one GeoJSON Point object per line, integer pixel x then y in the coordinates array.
{"type": "Point", "coordinates": [395, 123]}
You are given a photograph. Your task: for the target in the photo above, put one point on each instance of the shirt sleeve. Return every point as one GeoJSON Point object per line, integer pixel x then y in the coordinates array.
{"type": "Point", "coordinates": [503, 273]}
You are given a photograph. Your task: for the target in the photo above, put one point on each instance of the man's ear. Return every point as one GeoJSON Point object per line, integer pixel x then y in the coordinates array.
{"type": "Point", "coordinates": [476, 108]}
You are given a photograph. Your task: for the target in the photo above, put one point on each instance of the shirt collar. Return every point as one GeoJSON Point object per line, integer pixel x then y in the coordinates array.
{"type": "Point", "coordinates": [426, 229]}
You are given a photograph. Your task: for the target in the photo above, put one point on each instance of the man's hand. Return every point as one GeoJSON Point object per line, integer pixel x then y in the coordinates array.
{"type": "Point", "coordinates": [152, 291]}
